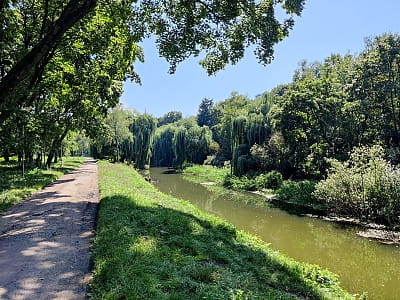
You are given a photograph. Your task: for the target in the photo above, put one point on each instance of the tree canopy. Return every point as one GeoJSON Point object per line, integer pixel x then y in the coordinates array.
{"type": "Point", "coordinates": [32, 32]}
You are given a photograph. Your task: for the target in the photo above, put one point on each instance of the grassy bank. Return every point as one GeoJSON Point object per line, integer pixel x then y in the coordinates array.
{"type": "Point", "coordinates": [14, 187]}
{"type": "Point", "coordinates": [152, 246]}
{"type": "Point", "coordinates": [205, 173]}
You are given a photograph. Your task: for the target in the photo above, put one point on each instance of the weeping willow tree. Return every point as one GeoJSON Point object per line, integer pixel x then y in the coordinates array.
{"type": "Point", "coordinates": [163, 147]}
{"type": "Point", "coordinates": [179, 147]}
{"type": "Point", "coordinates": [143, 129]}
{"type": "Point", "coordinates": [257, 129]}
{"type": "Point", "coordinates": [198, 142]}
{"type": "Point", "coordinates": [239, 140]}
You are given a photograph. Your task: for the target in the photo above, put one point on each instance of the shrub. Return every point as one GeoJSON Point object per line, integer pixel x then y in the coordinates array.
{"type": "Point", "coordinates": [239, 183]}
{"type": "Point", "coordinates": [299, 192]}
{"type": "Point", "coordinates": [271, 180]}
{"type": "Point", "coordinates": [366, 186]}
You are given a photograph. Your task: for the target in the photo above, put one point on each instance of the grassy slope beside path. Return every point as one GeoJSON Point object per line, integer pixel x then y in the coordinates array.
{"type": "Point", "coordinates": [14, 187]}
{"type": "Point", "coordinates": [152, 246]}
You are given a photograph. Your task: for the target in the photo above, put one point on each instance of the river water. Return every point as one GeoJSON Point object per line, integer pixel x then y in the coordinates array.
{"type": "Point", "coordinates": [362, 265]}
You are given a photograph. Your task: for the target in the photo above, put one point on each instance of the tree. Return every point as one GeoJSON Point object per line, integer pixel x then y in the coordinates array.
{"type": "Point", "coordinates": [182, 29]}
{"type": "Point", "coordinates": [143, 129]}
{"type": "Point", "coordinates": [119, 121]}
{"type": "Point", "coordinates": [163, 147]}
{"type": "Point", "coordinates": [376, 89]}
{"type": "Point", "coordinates": [206, 114]}
{"type": "Point", "coordinates": [315, 117]}
{"type": "Point", "coordinates": [179, 146]}
{"type": "Point", "coordinates": [170, 117]}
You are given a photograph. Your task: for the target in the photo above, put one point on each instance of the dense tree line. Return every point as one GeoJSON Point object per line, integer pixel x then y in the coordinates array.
{"type": "Point", "coordinates": [329, 108]}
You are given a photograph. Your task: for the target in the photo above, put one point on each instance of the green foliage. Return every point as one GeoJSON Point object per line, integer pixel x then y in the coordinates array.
{"type": "Point", "coordinates": [163, 147]}
{"type": "Point", "coordinates": [366, 186]}
{"type": "Point", "coordinates": [32, 33]}
{"type": "Point", "coordinates": [179, 147]}
{"type": "Point", "coordinates": [206, 173]}
{"type": "Point", "coordinates": [169, 117]}
{"type": "Point", "coordinates": [272, 154]}
{"type": "Point", "coordinates": [143, 129]}
{"type": "Point", "coordinates": [271, 180]}
{"type": "Point", "coordinates": [299, 192]}
{"type": "Point", "coordinates": [150, 245]}
{"type": "Point", "coordinates": [207, 115]}
{"type": "Point", "coordinates": [239, 183]}
{"type": "Point", "coordinates": [14, 187]}
{"type": "Point", "coordinates": [181, 141]}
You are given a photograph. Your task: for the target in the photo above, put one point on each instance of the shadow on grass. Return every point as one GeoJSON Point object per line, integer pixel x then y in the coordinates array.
{"type": "Point", "coordinates": [14, 187]}
{"type": "Point", "coordinates": [144, 252]}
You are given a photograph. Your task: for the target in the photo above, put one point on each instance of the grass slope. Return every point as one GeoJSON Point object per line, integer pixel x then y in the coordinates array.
{"type": "Point", "coordinates": [152, 246]}
{"type": "Point", "coordinates": [14, 187]}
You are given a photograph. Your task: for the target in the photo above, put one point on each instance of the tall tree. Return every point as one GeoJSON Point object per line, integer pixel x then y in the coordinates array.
{"type": "Point", "coordinates": [143, 129]}
{"type": "Point", "coordinates": [206, 114]}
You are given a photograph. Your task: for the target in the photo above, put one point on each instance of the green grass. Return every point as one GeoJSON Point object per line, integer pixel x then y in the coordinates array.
{"type": "Point", "coordinates": [204, 173]}
{"type": "Point", "coordinates": [150, 245]}
{"type": "Point", "coordinates": [14, 187]}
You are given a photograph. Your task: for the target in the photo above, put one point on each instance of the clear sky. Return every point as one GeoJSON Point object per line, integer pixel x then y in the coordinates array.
{"type": "Point", "coordinates": [325, 27]}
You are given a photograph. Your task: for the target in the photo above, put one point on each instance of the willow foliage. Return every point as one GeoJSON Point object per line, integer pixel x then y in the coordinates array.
{"type": "Point", "coordinates": [179, 147]}
{"type": "Point", "coordinates": [143, 129]}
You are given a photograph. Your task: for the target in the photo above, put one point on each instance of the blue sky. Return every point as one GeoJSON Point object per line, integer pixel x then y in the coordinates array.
{"type": "Point", "coordinates": [325, 27]}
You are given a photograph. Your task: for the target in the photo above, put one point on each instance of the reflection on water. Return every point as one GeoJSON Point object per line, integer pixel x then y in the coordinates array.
{"type": "Point", "coordinates": [362, 265]}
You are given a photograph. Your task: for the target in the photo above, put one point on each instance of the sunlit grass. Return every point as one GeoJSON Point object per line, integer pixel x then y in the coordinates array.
{"type": "Point", "coordinates": [206, 173]}
{"type": "Point", "coordinates": [150, 245]}
{"type": "Point", "coordinates": [14, 186]}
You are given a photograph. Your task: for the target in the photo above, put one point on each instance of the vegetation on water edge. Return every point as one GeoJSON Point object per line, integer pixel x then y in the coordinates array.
{"type": "Point", "coordinates": [206, 173]}
{"type": "Point", "coordinates": [152, 246]}
{"type": "Point", "coordinates": [14, 186]}
{"type": "Point", "coordinates": [366, 187]}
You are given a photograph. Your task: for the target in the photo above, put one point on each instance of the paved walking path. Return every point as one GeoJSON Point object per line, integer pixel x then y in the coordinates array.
{"type": "Point", "coordinates": [45, 239]}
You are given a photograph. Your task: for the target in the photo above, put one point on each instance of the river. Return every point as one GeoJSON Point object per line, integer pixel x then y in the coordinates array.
{"type": "Point", "coordinates": [362, 265]}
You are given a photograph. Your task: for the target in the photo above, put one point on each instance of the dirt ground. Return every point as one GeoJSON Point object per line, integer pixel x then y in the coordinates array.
{"type": "Point", "coordinates": [45, 239]}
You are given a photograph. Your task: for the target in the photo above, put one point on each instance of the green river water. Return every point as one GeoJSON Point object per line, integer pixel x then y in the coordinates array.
{"type": "Point", "coordinates": [362, 265]}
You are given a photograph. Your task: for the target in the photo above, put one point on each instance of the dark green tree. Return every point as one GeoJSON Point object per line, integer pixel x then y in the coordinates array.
{"type": "Point", "coordinates": [169, 117]}
{"type": "Point", "coordinates": [206, 115]}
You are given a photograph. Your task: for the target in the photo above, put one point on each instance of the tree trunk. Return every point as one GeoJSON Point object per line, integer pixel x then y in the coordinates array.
{"type": "Point", "coordinates": [73, 12]}
{"type": "Point", "coordinates": [54, 148]}
{"type": "Point", "coordinates": [38, 162]}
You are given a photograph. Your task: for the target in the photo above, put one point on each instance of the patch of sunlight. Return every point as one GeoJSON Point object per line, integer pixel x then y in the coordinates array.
{"type": "Point", "coordinates": [196, 227]}
{"type": "Point", "coordinates": [145, 245]}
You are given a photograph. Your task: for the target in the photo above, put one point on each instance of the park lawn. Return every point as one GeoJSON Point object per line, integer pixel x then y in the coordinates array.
{"type": "Point", "coordinates": [149, 245]}
{"type": "Point", "coordinates": [14, 187]}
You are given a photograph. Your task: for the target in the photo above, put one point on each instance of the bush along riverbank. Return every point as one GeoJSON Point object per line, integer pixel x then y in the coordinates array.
{"type": "Point", "coordinates": [15, 187]}
{"type": "Point", "coordinates": [152, 246]}
{"type": "Point", "coordinates": [364, 190]}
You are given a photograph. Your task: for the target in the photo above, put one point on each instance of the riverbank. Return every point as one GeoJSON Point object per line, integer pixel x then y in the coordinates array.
{"type": "Point", "coordinates": [294, 199]}
{"type": "Point", "coordinates": [15, 187]}
{"type": "Point", "coordinates": [153, 246]}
